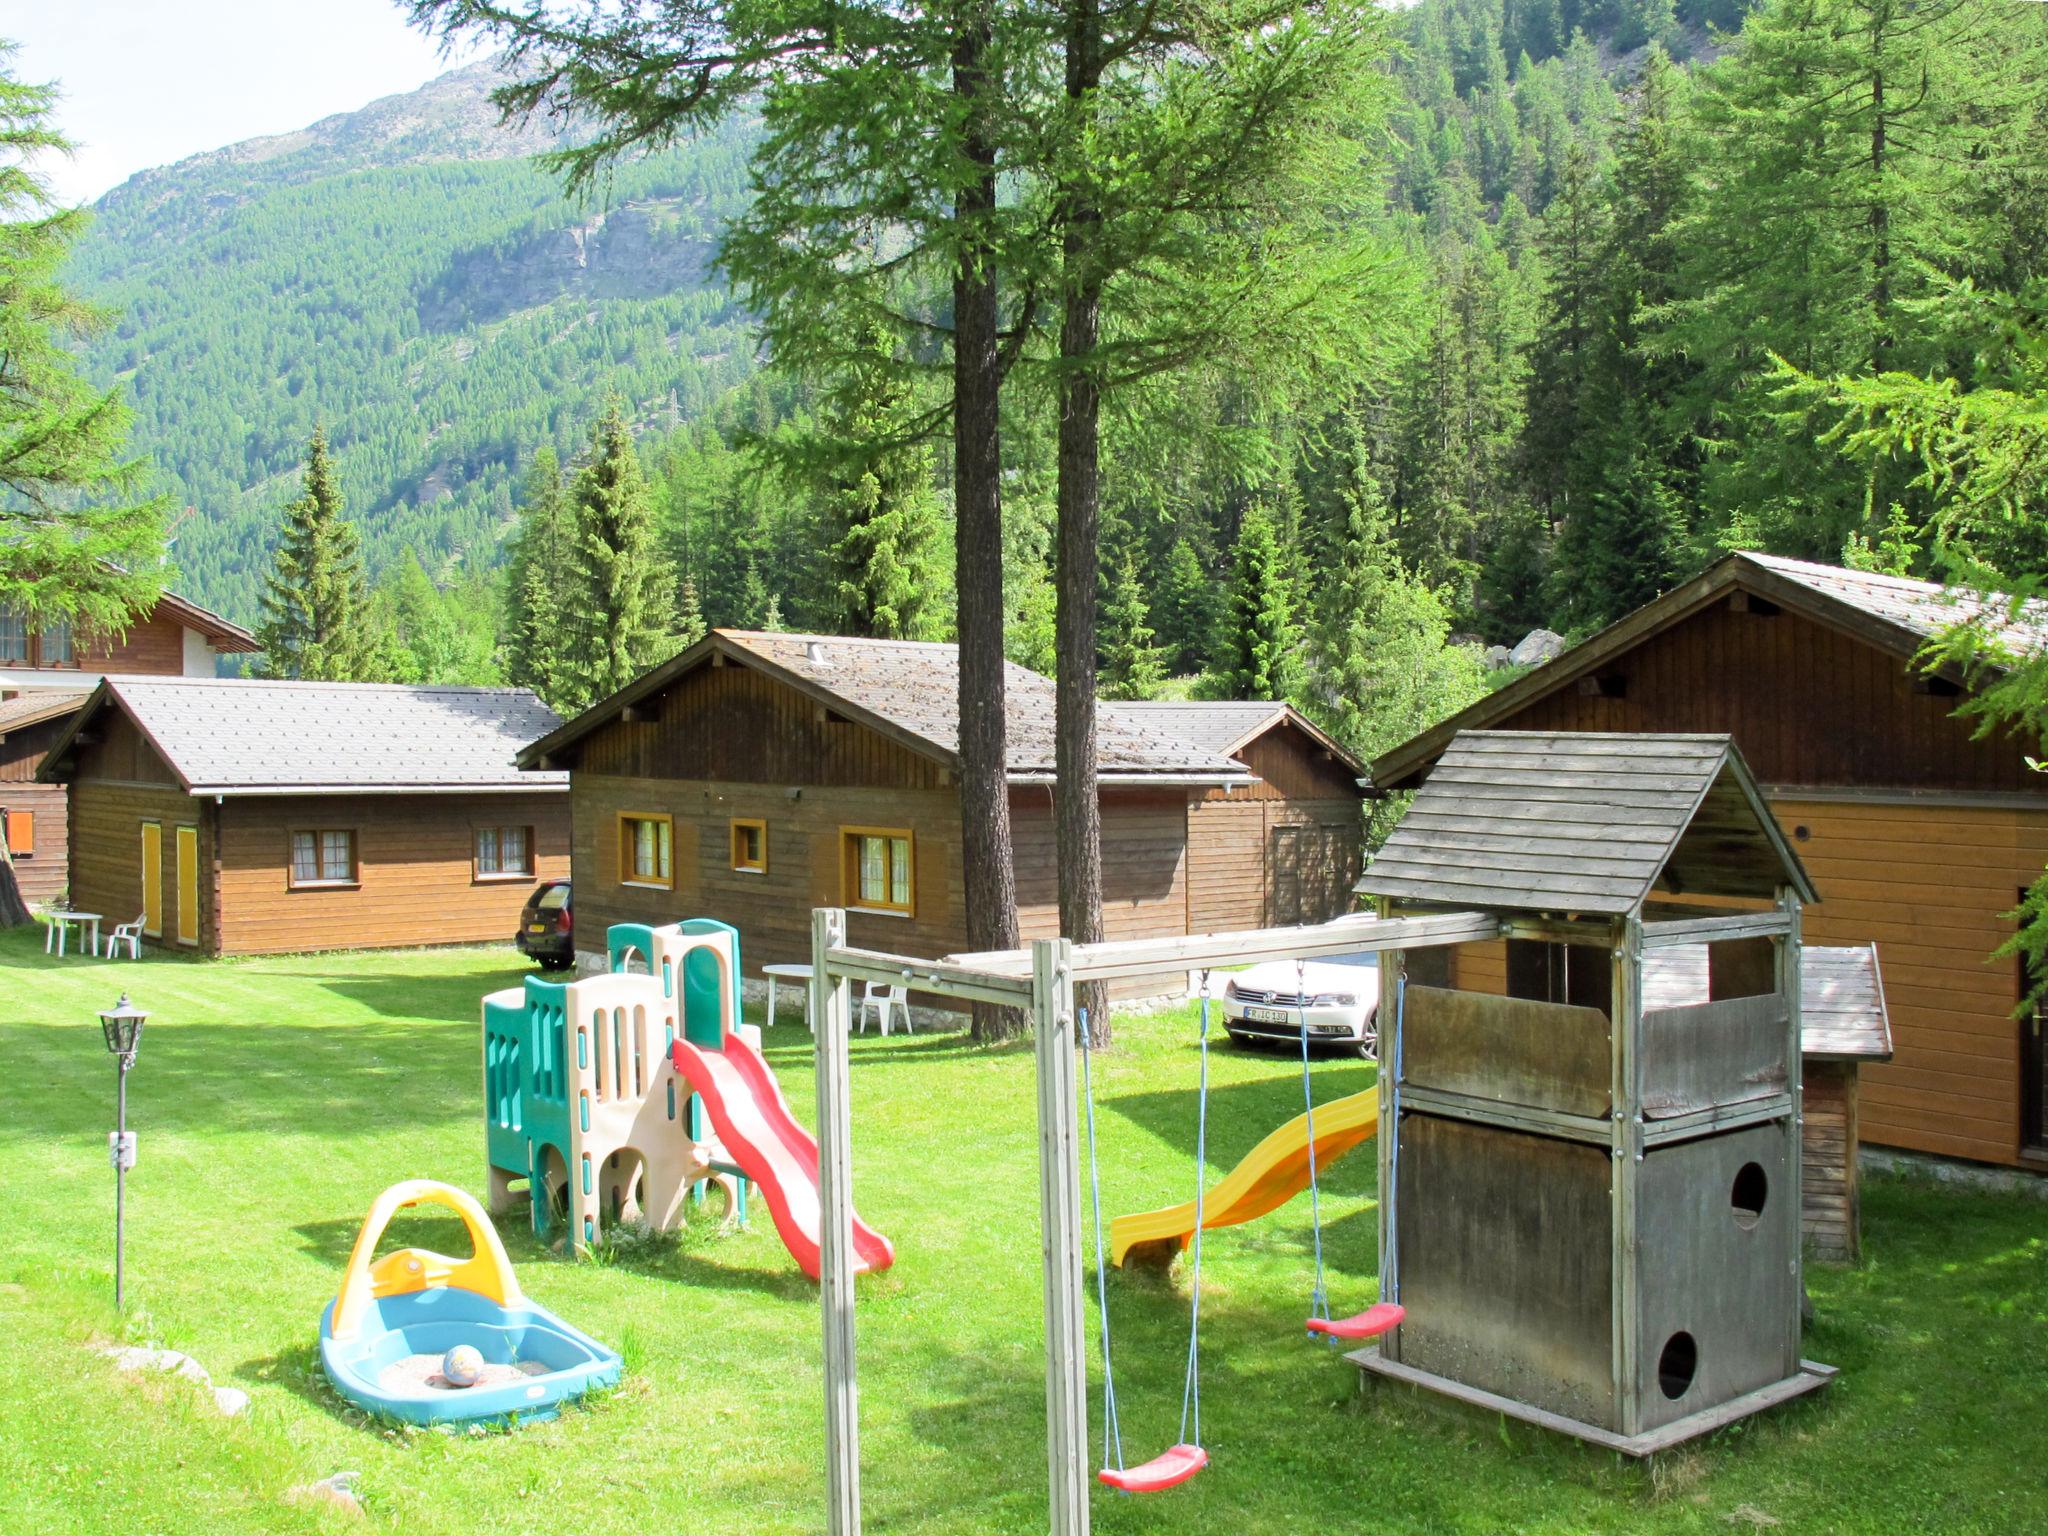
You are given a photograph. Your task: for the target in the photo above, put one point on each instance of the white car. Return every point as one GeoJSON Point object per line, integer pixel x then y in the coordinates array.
{"type": "Point", "coordinates": [1340, 999]}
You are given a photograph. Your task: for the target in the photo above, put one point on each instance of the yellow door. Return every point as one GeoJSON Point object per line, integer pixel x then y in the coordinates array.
{"type": "Point", "coordinates": [188, 885]}
{"type": "Point", "coordinates": [152, 879]}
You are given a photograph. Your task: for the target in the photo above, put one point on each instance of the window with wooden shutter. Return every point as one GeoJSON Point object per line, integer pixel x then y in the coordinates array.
{"type": "Point", "coordinates": [21, 833]}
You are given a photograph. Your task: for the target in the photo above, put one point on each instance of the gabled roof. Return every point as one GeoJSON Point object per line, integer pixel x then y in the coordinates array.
{"type": "Point", "coordinates": [1228, 726]}
{"type": "Point", "coordinates": [909, 691]}
{"type": "Point", "coordinates": [1891, 612]}
{"type": "Point", "coordinates": [222, 634]}
{"type": "Point", "coordinates": [1586, 822]}
{"type": "Point", "coordinates": [35, 707]}
{"type": "Point", "coordinates": [233, 736]}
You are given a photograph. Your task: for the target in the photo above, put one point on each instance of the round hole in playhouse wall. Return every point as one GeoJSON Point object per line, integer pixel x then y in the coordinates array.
{"type": "Point", "coordinates": [1802, 832]}
{"type": "Point", "coordinates": [1747, 1195]}
{"type": "Point", "coordinates": [1676, 1365]}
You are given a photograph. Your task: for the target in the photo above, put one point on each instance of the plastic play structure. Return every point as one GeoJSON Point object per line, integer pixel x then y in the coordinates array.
{"type": "Point", "coordinates": [385, 1337]}
{"type": "Point", "coordinates": [613, 1096]}
{"type": "Point", "coordinates": [1589, 1207]}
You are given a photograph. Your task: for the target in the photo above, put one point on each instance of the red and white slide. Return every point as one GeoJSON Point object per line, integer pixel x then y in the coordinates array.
{"type": "Point", "coordinates": [752, 1119]}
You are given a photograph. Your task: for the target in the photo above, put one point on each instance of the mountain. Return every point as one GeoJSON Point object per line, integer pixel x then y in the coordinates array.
{"type": "Point", "coordinates": [410, 276]}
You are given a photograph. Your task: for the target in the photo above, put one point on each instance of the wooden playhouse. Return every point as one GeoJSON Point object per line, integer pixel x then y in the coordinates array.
{"type": "Point", "coordinates": [1591, 1206]}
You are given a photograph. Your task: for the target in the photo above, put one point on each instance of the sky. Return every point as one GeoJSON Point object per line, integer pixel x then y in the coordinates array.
{"type": "Point", "coordinates": [147, 82]}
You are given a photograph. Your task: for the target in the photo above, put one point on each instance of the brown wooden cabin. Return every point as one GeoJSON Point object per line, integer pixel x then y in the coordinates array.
{"type": "Point", "coordinates": [247, 817]}
{"type": "Point", "coordinates": [45, 675]}
{"type": "Point", "coordinates": [756, 776]}
{"type": "Point", "coordinates": [1918, 834]}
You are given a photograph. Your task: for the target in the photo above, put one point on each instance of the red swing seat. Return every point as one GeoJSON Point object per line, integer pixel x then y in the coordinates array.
{"type": "Point", "coordinates": [1369, 1324]}
{"type": "Point", "coordinates": [1169, 1468]}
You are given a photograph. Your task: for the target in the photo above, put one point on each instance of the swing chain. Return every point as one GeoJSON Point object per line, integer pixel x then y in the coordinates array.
{"type": "Point", "coordinates": [1112, 1432]}
{"type": "Point", "coordinates": [1319, 1298]}
{"type": "Point", "coordinates": [1191, 1390]}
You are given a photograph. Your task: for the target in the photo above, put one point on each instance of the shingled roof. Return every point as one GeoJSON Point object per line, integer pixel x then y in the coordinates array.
{"type": "Point", "coordinates": [225, 736]}
{"type": "Point", "coordinates": [910, 691]}
{"type": "Point", "coordinates": [1891, 612]}
{"type": "Point", "coordinates": [1584, 822]}
{"type": "Point", "coordinates": [33, 708]}
{"type": "Point", "coordinates": [1228, 726]}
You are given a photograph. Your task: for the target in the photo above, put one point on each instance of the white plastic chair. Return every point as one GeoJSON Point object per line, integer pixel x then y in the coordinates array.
{"type": "Point", "coordinates": [884, 997]}
{"type": "Point", "coordinates": [129, 934]}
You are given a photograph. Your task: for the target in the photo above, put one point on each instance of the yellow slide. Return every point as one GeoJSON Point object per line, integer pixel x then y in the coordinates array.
{"type": "Point", "coordinates": [1271, 1174]}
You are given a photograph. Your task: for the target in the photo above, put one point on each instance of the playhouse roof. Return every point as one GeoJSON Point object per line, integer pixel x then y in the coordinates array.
{"type": "Point", "coordinates": [1584, 822]}
{"type": "Point", "coordinates": [909, 691]}
{"type": "Point", "coordinates": [231, 736]}
{"type": "Point", "coordinates": [1842, 1014]}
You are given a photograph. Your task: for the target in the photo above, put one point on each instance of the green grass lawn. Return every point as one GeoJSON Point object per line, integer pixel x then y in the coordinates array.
{"type": "Point", "coordinates": [274, 1098]}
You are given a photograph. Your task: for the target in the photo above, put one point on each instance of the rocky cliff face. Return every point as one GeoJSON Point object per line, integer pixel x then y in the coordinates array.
{"type": "Point", "coordinates": [639, 251]}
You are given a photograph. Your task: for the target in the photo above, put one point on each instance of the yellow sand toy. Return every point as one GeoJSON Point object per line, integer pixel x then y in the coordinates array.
{"type": "Point", "coordinates": [399, 1339]}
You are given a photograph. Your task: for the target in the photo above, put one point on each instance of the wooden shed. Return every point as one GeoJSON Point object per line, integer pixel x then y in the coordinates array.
{"type": "Point", "coordinates": [1589, 1203]}
{"type": "Point", "coordinates": [245, 817]}
{"type": "Point", "coordinates": [1919, 834]}
{"type": "Point", "coordinates": [756, 776]}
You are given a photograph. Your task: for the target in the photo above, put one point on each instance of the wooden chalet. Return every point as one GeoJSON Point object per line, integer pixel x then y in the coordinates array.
{"type": "Point", "coordinates": [45, 674]}
{"type": "Point", "coordinates": [1918, 833]}
{"type": "Point", "coordinates": [246, 817]}
{"type": "Point", "coordinates": [756, 776]}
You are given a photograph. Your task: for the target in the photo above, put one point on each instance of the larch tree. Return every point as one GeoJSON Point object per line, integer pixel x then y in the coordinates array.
{"type": "Point", "coordinates": [81, 545]}
{"type": "Point", "coordinates": [316, 621]}
{"type": "Point", "coordinates": [624, 626]}
{"type": "Point", "coordinates": [876, 183]}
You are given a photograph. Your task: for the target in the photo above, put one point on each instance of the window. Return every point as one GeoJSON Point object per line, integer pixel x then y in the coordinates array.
{"type": "Point", "coordinates": [877, 874]}
{"type": "Point", "coordinates": [53, 644]}
{"type": "Point", "coordinates": [504, 853]}
{"type": "Point", "coordinates": [13, 636]}
{"type": "Point", "coordinates": [750, 845]}
{"type": "Point", "coordinates": [323, 858]}
{"type": "Point", "coordinates": [645, 851]}
{"type": "Point", "coordinates": [21, 833]}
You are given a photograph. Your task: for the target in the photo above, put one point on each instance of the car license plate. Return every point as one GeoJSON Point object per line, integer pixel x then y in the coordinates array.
{"type": "Point", "coordinates": [536, 927]}
{"type": "Point", "coordinates": [1269, 1015]}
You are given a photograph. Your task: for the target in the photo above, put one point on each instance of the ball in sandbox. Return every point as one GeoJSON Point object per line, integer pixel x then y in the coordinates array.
{"type": "Point", "coordinates": [462, 1366]}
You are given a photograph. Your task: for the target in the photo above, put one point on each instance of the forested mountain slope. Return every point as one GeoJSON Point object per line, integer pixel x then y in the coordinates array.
{"type": "Point", "coordinates": [406, 274]}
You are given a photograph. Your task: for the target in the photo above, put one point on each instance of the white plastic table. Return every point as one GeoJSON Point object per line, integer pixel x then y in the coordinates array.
{"type": "Point", "coordinates": [789, 973]}
{"type": "Point", "coordinates": [60, 927]}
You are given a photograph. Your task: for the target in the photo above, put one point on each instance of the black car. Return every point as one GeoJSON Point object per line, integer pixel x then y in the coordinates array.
{"type": "Point", "coordinates": [547, 929]}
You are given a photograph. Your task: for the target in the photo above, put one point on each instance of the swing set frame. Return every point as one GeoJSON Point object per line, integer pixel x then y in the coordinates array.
{"type": "Point", "coordinates": [1040, 980]}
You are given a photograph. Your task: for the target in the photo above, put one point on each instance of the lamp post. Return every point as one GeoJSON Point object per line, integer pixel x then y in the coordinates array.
{"type": "Point", "coordinates": [122, 1027]}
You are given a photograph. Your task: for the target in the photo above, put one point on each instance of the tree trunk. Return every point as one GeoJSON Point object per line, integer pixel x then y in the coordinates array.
{"type": "Point", "coordinates": [1078, 564]}
{"type": "Point", "coordinates": [987, 867]}
{"type": "Point", "coordinates": [14, 912]}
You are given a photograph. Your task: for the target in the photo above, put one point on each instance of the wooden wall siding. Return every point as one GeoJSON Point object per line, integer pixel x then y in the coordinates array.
{"type": "Point", "coordinates": [1828, 1189]}
{"type": "Point", "coordinates": [415, 854]}
{"type": "Point", "coordinates": [43, 877]}
{"type": "Point", "coordinates": [1292, 765]}
{"type": "Point", "coordinates": [155, 647]}
{"type": "Point", "coordinates": [771, 910]}
{"type": "Point", "coordinates": [21, 753]}
{"type": "Point", "coordinates": [735, 724]}
{"type": "Point", "coordinates": [1233, 878]}
{"type": "Point", "coordinates": [106, 853]}
{"type": "Point", "coordinates": [1928, 884]}
{"type": "Point", "coordinates": [1144, 864]}
{"type": "Point", "coordinates": [1807, 705]}
{"type": "Point", "coordinates": [121, 755]}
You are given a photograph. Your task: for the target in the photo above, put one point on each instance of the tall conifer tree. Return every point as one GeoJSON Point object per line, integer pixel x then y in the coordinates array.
{"type": "Point", "coordinates": [626, 626]}
{"type": "Point", "coordinates": [316, 620]}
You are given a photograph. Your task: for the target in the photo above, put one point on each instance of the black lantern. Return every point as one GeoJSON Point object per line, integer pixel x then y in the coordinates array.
{"type": "Point", "coordinates": [122, 1026]}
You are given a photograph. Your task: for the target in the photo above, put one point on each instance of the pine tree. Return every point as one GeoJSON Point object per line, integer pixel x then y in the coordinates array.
{"type": "Point", "coordinates": [78, 544]}
{"type": "Point", "coordinates": [1259, 650]}
{"type": "Point", "coordinates": [541, 585]}
{"type": "Point", "coordinates": [624, 626]}
{"type": "Point", "coordinates": [316, 622]}
{"type": "Point", "coordinates": [1132, 664]}
{"type": "Point", "coordinates": [690, 626]}
{"type": "Point", "coordinates": [1186, 610]}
